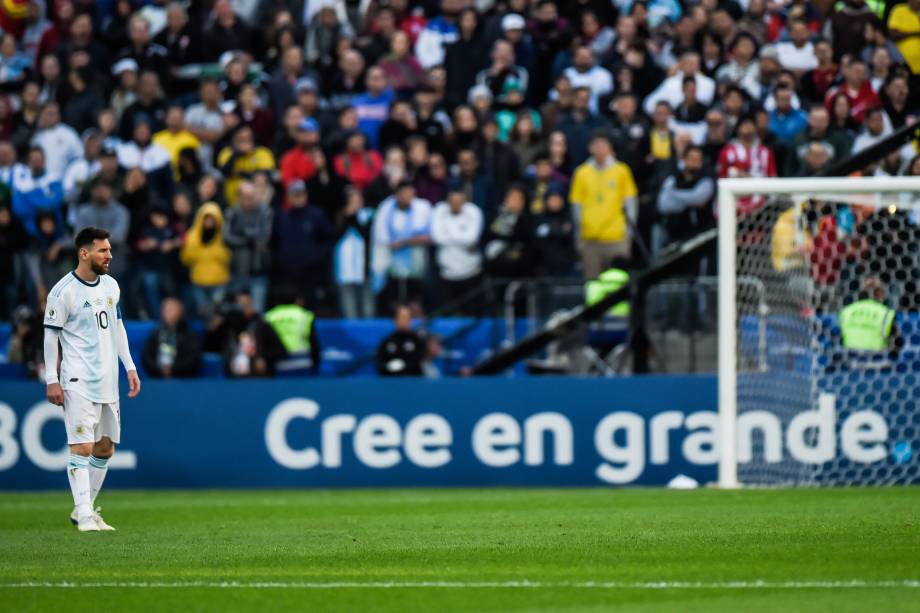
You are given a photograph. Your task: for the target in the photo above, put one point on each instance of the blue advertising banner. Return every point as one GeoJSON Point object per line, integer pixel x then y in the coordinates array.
{"type": "Point", "coordinates": [374, 432]}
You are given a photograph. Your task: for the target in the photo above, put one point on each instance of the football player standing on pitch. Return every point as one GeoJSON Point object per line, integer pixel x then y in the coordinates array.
{"type": "Point", "coordinates": [83, 315]}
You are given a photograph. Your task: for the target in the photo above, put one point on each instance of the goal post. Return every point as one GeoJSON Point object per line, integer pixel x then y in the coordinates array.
{"type": "Point", "coordinates": [791, 254]}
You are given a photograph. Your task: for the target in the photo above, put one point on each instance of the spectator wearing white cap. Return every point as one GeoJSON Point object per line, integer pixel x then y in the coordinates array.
{"type": "Point", "coordinates": [514, 30]}
{"type": "Point", "coordinates": [125, 72]}
{"type": "Point", "coordinates": [586, 73]}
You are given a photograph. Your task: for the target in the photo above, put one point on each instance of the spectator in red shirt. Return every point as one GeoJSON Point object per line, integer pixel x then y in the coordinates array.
{"type": "Point", "coordinates": [297, 162]}
{"type": "Point", "coordinates": [857, 88]}
{"type": "Point", "coordinates": [746, 156]}
{"type": "Point", "coordinates": [357, 164]}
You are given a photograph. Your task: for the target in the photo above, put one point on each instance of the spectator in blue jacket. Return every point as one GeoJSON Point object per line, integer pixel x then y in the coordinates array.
{"type": "Point", "coordinates": [37, 192]}
{"type": "Point", "coordinates": [373, 106]}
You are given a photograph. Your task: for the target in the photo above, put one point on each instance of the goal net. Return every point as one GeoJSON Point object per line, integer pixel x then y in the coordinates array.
{"type": "Point", "coordinates": [819, 331]}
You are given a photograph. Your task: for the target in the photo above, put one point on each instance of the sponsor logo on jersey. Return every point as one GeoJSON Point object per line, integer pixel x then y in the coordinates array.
{"type": "Point", "coordinates": [51, 314]}
{"type": "Point", "coordinates": [98, 301]}
{"type": "Point", "coordinates": [87, 305]}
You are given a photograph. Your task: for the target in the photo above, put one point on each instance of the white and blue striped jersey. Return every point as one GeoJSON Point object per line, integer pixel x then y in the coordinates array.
{"type": "Point", "coordinates": [87, 314]}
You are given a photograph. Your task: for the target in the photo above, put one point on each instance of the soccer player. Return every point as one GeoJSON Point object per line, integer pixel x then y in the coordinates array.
{"type": "Point", "coordinates": [83, 315]}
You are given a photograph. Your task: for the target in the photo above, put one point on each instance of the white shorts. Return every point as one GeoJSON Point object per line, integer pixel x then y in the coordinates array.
{"type": "Point", "coordinates": [88, 421]}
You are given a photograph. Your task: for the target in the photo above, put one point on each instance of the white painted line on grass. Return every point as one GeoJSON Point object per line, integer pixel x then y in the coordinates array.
{"type": "Point", "coordinates": [337, 585]}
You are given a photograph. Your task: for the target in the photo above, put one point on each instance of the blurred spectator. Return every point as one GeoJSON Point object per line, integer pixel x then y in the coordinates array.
{"type": "Point", "coordinates": [228, 32]}
{"type": "Point", "coordinates": [240, 160]}
{"type": "Point", "coordinates": [814, 160]}
{"type": "Point", "coordinates": [503, 73]}
{"type": "Point", "coordinates": [798, 53]}
{"type": "Point", "coordinates": [295, 327]}
{"type": "Point", "coordinates": [176, 138]}
{"type": "Point", "coordinates": [685, 199]}
{"type": "Point", "coordinates": [904, 29]}
{"type": "Point", "coordinates": [26, 341]}
{"type": "Point", "coordinates": [456, 227]}
{"type": "Point", "coordinates": [150, 105]}
{"type": "Point", "coordinates": [579, 124]}
{"type": "Point", "coordinates": [304, 238]}
{"type": "Point", "coordinates": [603, 214]}
{"type": "Point", "coordinates": [508, 238]}
{"type": "Point", "coordinates": [554, 235]}
{"type": "Point", "coordinates": [249, 345]}
{"type": "Point", "coordinates": [352, 256]}
{"type": "Point", "coordinates": [401, 353]}
{"type": "Point", "coordinates": [856, 88]}
{"type": "Point", "coordinates": [247, 232]}
{"type": "Point", "coordinates": [846, 27]}
{"type": "Point", "coordinates": [205, 119]}
{"type": "Point", "coordinates": [402, 71]}
{"type": "Point", "coordinates": [464, 58]}
{"type": "Point", "coordinates": [58, 140]}
{"type": "Point", "coordinates": [51, 254]}
{"type": "Point", "coordinates": [496, 158]}
{"type": "Point", "coordinates": [325, 188]}
{"type": "Point", "coordinates": [585, 73]}
{"type": "Point", "coordinates": [13, 241]}
{"type": "Point", "coordinates": [83, 169]}
{"type": "Point", "coordinates": [142, 153]}
{"type": "Point", "coordinates": [746, 156]}
{"type": "Point", "coordinates": [873, 131]}
{"type": "Point", "coordinates": [37, 191]}
{"type": "Point", "coordinates": [103, 211]}
{"type": "Point", "coordinates": [297, 162]}
{"type": "Point", "coordinates": [358, 165]}
{"type": "Point", "coordinates": [744, 68]}
{"type": "Point", "coordinates": [438, 32]}
{"type": "Point", "coordinates": [207, 258]}
{"type": "Point", "coordinates": [373, 106]}
{"type": "Point", "coordinates": [815, 83]}
{"type": "Point", "coordinates": [401, 235]}
{"type": "Point", "coordinates": [817, 131]}
{"type": "Point", "coordinates": [671, 89]}
{"type": "Point", "coordinates": [786, 122]}
{"type": "Point", "coordinates": [157, 249]}
{"type": "Point", "coordinates": [173, 349]}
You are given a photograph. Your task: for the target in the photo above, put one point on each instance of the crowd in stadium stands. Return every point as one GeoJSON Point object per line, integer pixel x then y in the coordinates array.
{"type": "Point", "coordinates": [360, 153]}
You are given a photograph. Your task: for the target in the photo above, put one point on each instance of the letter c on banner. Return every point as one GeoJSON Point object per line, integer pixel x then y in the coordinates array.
{"type": "Point", "coordinates": [276, 434]}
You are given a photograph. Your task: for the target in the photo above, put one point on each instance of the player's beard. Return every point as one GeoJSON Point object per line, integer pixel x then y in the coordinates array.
{"type": "Point", "coordinates": [100, 269]}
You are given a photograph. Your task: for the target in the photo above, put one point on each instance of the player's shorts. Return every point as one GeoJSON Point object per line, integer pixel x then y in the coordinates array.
{"type": "Point", "coordinates": [88, 421]}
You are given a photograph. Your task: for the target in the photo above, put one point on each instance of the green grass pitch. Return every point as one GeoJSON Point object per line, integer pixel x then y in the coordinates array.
{"type": "Point", "coordinates": [854, 549]}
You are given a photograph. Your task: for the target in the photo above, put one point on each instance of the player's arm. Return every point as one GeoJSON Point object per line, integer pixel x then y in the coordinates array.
{"type": "Point", "coordinates": [124, 354]}
{"type": "Point", "coordinates": [54, 392]}
{"type": "Point", "coordinates": [55, 318]}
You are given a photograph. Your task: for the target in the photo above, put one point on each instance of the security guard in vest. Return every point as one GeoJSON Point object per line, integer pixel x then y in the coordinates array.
{"type": "Point", "coordinates": [867, 325]}
{"type": "Point", "coordinates": [296, 328]}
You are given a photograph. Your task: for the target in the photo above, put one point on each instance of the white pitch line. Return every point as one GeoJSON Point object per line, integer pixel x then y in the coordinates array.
{"type": "Point", "coordinates": [301, 585]}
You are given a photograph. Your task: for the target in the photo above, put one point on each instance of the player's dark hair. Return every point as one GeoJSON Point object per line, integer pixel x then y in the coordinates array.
{"type": "Point", "coordinates": [87, 236]}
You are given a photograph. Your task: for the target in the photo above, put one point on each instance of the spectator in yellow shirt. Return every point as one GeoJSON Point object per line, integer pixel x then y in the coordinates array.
{"type": "Point", "coordinates": [904, 29]}
{"type": "Point", "coordinates": [175, 137]}
{"type": "Point", "coordinates": [603, 196]}
{"type": "Point", "coordinates": [241, 160]}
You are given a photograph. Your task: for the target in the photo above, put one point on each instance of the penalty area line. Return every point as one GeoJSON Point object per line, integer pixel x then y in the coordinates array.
{"type": "Point", "coordinates": [338, 585]}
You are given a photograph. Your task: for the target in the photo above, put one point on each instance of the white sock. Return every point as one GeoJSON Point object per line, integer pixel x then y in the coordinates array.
{"type": "Point", "coordinates": [98, 467]}
{"type": "Point", "coordinates": [78, 475]}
